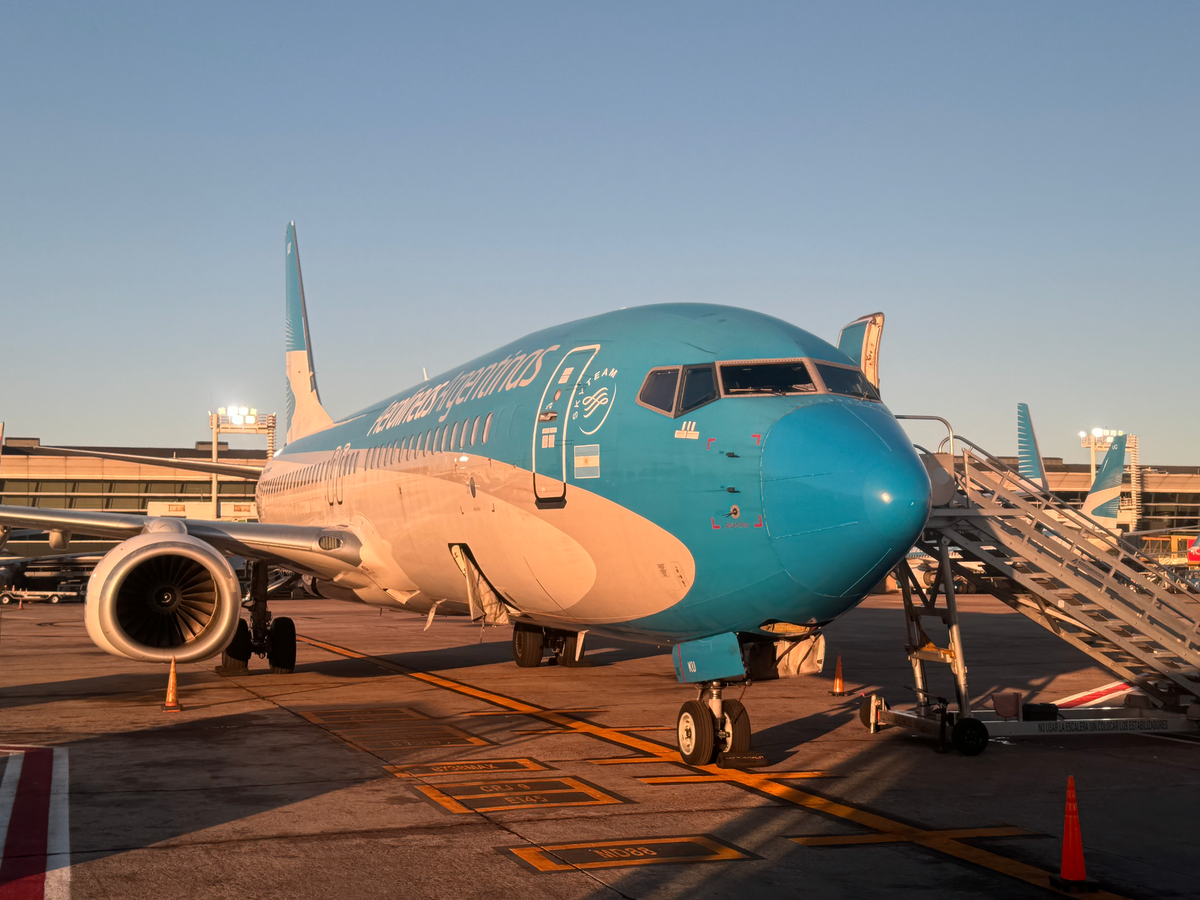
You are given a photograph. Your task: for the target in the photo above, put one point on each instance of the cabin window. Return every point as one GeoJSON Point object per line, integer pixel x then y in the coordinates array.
{"type": "Point", "coordinates": [658, 391]}
{"type": "Point", "coordinates": [427, 446]}
{"type": "Point", "coordinates": [454, 436]}
{"type": "Point", "coordinates": [487, 427]}
{"type": "Point", "coordinates": [474, 431]}
{"type": "Point", "coordinates": [851, 382]}
{"type": "Point", "coordinates": [462, 443]}
{"type": "Point", "coordinates": [699, 387]}
{"type": "Point", "coordinates": [765, 379]}
{"type": "Point", "coordinates": [404, 449]}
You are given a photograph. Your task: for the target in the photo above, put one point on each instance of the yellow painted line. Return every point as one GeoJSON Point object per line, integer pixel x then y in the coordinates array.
{"type": "Point", "coordinates": [636, 852]}
{"type": "Point", "coordinates": [467, 767]}
{"type": "Point", "coordinates": [501, 796]}
{"type": "Point", "coordinates": [882, 837]}
{"type": "Point", "coordinates": [697, 779]}
{"type": "Point", "coordinates": [628, 760]}
{"type": "Point", "coordinates": [753, 781]}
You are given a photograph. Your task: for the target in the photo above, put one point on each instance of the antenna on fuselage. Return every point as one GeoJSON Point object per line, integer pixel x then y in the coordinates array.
{"type": "Point", "coordinates": [424, 374]}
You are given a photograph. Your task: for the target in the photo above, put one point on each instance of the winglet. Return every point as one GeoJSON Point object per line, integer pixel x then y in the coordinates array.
{"type": "Point", "coordinates": [305, 415]}
{"type": "Point", "coordinates": [1104, 499]}
{"type": "Point", "coordinates": [1029, 456]}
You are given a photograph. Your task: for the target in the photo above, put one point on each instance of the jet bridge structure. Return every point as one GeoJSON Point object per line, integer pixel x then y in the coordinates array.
{"type": "Point", "coordinates": [1067, 573]}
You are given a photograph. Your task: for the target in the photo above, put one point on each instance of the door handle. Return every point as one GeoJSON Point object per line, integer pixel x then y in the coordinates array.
{"type": "Point", "coordinates": [548, 416]}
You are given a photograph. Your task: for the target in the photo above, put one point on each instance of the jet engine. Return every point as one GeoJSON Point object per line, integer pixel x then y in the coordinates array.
{"type": "Point", "coordinates": [163, 594]}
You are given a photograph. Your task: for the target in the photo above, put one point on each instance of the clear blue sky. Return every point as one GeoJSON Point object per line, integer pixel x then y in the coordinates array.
{"type": "Point", "coordinates": [1017, 186]}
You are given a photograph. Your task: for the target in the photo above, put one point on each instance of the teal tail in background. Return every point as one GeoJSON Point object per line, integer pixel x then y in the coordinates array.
{"type": "Point", "coordinates": [1030, 457]}
{"type": "Point", "coordinates": [1104, 499]}
{"type": "Point", "coordinates": [305, 415]}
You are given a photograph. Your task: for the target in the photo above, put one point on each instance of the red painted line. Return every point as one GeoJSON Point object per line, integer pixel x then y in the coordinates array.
{"type": "Point", "coordinates": [23, 871]}
{"type": "Point", "coordinates": [708, 446]}
{"type": "Point", "coordinates": [756, 438]}
{"type": "Point", "coordinates": [1100, 693]}
{"type": "Point", "coordinates": [714, 523]}
{"type": "Point", "coordinates": [758, 524]}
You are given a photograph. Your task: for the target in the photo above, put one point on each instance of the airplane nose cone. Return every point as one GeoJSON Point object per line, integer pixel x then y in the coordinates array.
{"type": "Point", "coordinates": [845, 496]}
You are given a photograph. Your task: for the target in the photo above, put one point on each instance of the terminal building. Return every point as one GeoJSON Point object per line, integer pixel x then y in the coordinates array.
{"type": "Point", "coordinates": [32, 475]}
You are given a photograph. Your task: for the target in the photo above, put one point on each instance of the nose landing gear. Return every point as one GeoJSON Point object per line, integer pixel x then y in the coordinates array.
{"type": "Point", "coordinates": [710, 726]}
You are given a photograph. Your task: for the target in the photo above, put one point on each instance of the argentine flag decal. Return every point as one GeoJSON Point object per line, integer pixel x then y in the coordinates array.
{"type": "Point", "coordinates": [587, 461]}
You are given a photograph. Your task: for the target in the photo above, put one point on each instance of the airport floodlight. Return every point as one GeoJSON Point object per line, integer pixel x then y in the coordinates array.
{"type": "Point", "coordinates": [1097, 432]}
{"type": "Point", "coordinates": [1083, 434]}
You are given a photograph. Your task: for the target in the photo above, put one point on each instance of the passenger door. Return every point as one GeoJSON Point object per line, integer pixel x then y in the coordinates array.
{"type": "Point", "coordinates": [550, 427]}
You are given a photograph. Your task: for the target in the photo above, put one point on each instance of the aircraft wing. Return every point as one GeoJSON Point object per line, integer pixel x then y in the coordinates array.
{"type": "Point", "coordinates": [323, 552]}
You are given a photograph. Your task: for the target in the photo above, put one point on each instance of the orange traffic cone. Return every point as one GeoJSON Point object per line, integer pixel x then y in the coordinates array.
{"type": "Point", "coordinates": [839, 689]}
{"type": "Point", "coordinates": [1072, 874]}
{"type": "Point", "coordinates": [172, 704]}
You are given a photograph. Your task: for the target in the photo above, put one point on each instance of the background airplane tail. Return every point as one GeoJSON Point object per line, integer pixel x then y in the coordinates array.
{"type": "Point", "coordinates": [305, 414]}
{"type": "Point", "coordinates": [1104, 499]}
{"type": "Point", "coordinates": [1029, 456]}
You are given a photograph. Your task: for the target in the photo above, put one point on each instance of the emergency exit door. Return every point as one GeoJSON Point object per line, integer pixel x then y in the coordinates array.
{"type": "Point", "coordinates": [551, 424]}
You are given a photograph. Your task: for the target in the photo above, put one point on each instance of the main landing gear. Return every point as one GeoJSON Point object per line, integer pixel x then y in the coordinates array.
{"type": "Point", "coordinates": [530, 643]}
{"type": "Point", "coordinates": [272, 637]}
{"type": "Point", "coordinates": [709, 726]}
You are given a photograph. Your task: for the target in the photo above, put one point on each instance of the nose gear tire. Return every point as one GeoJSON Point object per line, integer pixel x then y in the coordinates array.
{"type": "Point", "coordinates": [695, 734]}
{"type": "Point", "coordinates": [737, 727]}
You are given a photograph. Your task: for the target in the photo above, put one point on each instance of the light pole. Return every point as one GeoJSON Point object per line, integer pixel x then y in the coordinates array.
{"type": "Point", "coordinates": [238, 420]}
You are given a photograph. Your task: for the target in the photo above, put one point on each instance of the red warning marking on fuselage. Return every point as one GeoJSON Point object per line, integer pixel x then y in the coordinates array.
{"type": "Point", "coordinates": [758, 524]}
{"type": "Point", "coordinates": [715, 526]}
{"type": "Point", "coordinates": [708, 446]}
{"type": "Point", "coordinates": [757, 438]}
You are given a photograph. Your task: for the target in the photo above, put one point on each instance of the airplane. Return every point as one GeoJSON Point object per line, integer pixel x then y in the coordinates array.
{"type": "Point", "coordinates": [1104, 497]}
{"type": "Point", "coordinates": [699, 476]}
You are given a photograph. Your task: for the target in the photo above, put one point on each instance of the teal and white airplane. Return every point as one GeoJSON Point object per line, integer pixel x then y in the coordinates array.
{"type": "Point", "coordinates": [698, 476]}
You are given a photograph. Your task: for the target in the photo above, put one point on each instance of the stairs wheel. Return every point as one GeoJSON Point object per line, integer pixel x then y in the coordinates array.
{"type": "Point", "coordinates": [969, 737]}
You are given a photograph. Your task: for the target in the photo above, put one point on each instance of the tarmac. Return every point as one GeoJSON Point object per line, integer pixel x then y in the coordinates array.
{"type": "Point", "coordinates": [401, 762]}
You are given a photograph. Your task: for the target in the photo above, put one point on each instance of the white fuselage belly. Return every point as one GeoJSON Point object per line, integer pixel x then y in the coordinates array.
{"type": "Point", "coordinates": [592, 562]}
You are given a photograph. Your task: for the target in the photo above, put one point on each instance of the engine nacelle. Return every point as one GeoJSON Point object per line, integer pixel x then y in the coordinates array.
{"type": "Point", "coordinates": [160, 595]}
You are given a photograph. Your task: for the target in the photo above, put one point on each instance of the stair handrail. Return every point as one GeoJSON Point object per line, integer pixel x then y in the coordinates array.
{"type": "Point", "coordinates": [1080, 519]}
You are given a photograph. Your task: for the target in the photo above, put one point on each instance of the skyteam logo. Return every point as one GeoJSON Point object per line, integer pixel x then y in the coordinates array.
{"type": "Point", "coordinates": [595, 400]}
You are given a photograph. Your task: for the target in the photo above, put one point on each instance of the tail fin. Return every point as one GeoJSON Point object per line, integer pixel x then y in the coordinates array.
{"type": "Point", "coordinates": [1104, 499]}
{"type": "Point", "coordinates": [1030, 457]}
{"type": "Point", "coordinates": [305, 415]}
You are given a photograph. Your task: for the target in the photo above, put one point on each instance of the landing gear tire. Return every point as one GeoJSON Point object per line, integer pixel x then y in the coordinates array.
{"type": "Point", "coordinates": [695, 733]}
{"type": "Point", "coordinates": [528, 644]}
{"type": "Point", "coordinates": [5, 599]}
{"type": "Point", "coordinates": [282, 652]}
{"type": "Point", "coordinates": [969, 737]}
{"type": "Point", "coordinates": [236, 658]}
{"type": "Point", "coordinates": [54, 598]}
{"type": "Point", "coordinates": [565, 652]}
{"type": "Point", "coordinates": [736, 727]}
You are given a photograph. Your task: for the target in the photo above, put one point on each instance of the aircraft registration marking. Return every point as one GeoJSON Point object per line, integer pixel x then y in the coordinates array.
{"type": "Point", "coordinates": [755, 782]}
{"type": "Point", "coordinates": [468, 767]}
{"type": "Point", "coordinates": [527, 793]}
{"type": "Point", "coordinates": [649, 851]}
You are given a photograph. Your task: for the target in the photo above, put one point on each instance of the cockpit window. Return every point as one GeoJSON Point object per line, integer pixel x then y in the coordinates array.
{"type": "Point", "coordinates": [658, 392]}
{"type": "Point", "coordinates": [766, 378]}
{"type": "Point", "coordinates": [699, 387]}
{"type": "Point", "coordinates": [851, 382]}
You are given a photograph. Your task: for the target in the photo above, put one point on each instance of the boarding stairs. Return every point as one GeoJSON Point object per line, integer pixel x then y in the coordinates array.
{"type": "Point", "coordinates": [1058, 567]}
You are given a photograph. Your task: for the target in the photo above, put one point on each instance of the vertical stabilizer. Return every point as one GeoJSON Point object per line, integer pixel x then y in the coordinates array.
{"type": "Point", "coordinates": [305, 414]}
{"type": "Point", "coordinates": [1029, 455]}
{"type": "Point", "coordinates": [1104, 499]}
